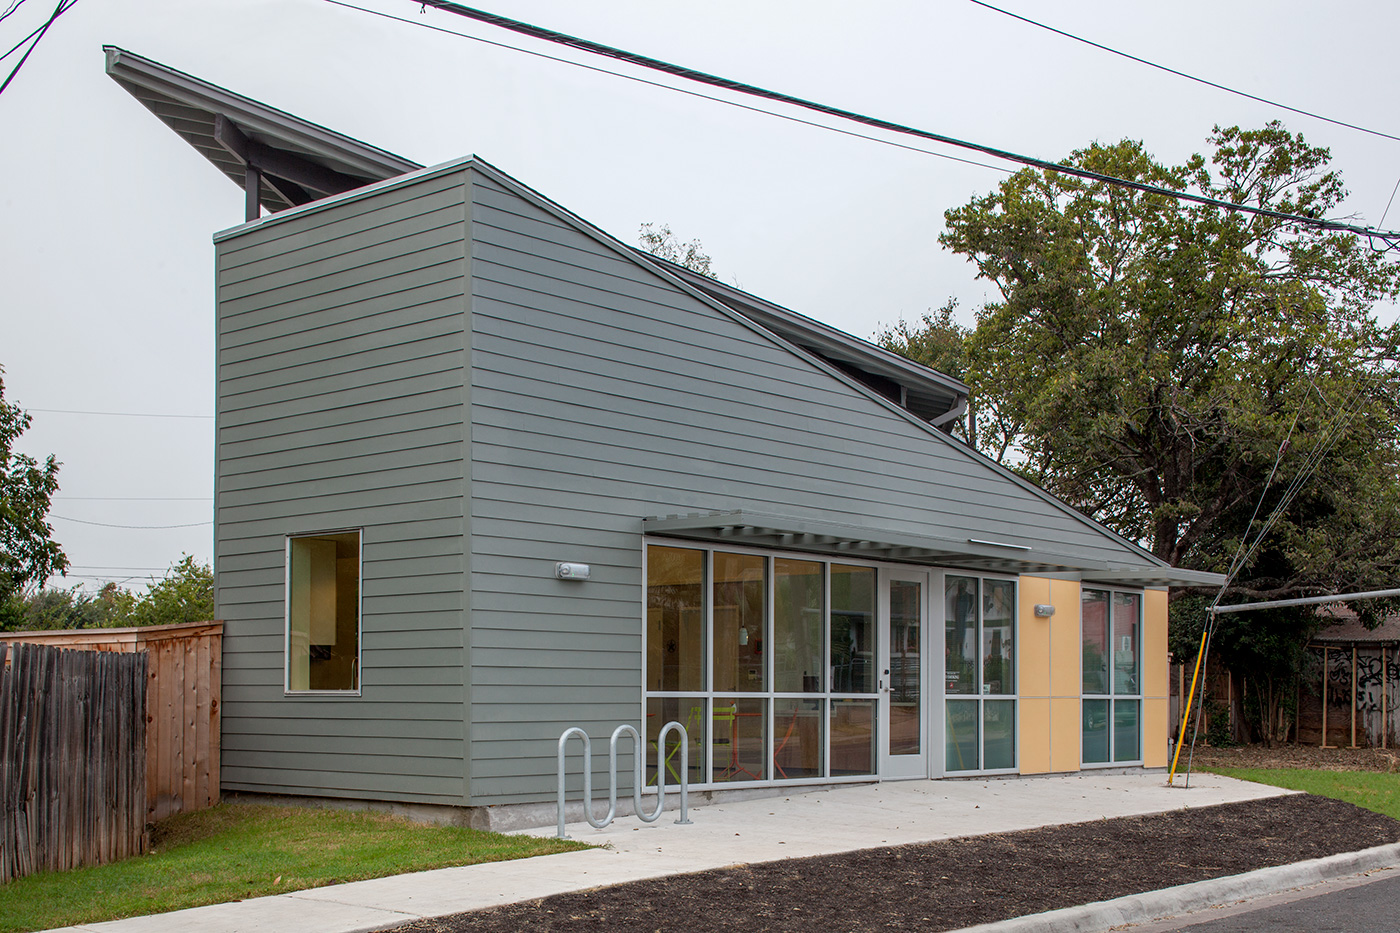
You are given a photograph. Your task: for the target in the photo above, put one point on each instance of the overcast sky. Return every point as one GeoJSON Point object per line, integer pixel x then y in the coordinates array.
{"type": "Point", "coordinates": [106, 217]}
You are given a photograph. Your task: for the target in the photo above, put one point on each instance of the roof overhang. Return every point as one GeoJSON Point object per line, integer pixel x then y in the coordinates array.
{"type": "Point", "coordinates": [294, 160]}
{"type": "Point", "coordinates": [758, 529]}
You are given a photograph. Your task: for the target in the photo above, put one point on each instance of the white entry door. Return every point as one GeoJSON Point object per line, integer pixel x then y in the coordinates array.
{"type": "Point", "coordinates": [903, 674]}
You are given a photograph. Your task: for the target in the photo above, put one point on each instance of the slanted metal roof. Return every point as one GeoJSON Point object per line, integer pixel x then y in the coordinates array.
{"type": "Point", "coordinates": [927, 393]}
{"type": "Point", "coordinates": [298, 161]}
{"type": "Point", "coordinates": [759, 529]}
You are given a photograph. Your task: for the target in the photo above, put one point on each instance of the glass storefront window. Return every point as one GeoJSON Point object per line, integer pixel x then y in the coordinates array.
{"type": "Point", "coordinates": [1112, 705]}
{"type": "Point", "coordinates": [998, 614]}
{"type": "Point", "coordinates": [906, 693]}
{"type": "Point", "coordinates": [798, 747]}
{"type": "Point", "coordinates": [998, 734]}
{"type": "Point", "coordinates": [961, 732]}
{"type": "Point", "coordinates": [740, 593]}
{"type": "Point", "coordinates": [689, 711]}
{"type": "Point", "coordinates": [798, 621]}
{"type": "Point", "coordinates": [852, 737]}
{"type": "Point", "coordinates": [675, 619]}
{"type": "Point", "coordinates": [853, 627]}
{"type": "Point", "coordinates": [960, 635]}
{"type": "Point", "coordinates": [740, 740]}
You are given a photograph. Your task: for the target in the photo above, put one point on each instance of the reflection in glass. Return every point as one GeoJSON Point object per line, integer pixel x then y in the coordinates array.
{"type": "Point", "coordinates": [960, 745]}
{"type": "Point", "coordinates": [852, 737]}
{"type": "Point", "coordinates": [675, 619]}
{"type": "Point", "coordinates": [740, 741]}
{"type": "Point", "coordinates": [739, 595]}
{"type": "Point", "coordinates": [1096, 649]}
{"type": "Point", "coordinates": [998, 734]}
{"type": "Point", "coordinates": [1095, 714]}
{"type": "Point", "coordinates": [1126, 613]}
{"type": "Point", "coordinates": [960, 635]}
{"type": "Point", "coordinates": [797, 738]}
{"type": "Point", "coordinates": [852, 630]}
{"type": "Point", "coordinates": [1125, 730]}
{"type": "Point", "coordinates": [689, 712]}
{"type": "Point", "coordinates": [998, 671]}
{"type": "Point", "coordinates": [797, 626]}
{"type": "Point", "coordinates": [906, 613]}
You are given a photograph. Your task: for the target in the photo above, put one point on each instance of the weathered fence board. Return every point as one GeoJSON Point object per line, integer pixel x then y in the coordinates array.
{"type": "Point", "coordinates": [182, 705]}
{"type": "Point", "coordinates": [72, 758]}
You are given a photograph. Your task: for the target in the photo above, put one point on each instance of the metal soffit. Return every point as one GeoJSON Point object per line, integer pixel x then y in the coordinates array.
{"type": "Point", "coordinates": [757, 529]}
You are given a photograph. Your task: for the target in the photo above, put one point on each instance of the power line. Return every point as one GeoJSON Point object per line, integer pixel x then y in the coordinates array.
{"type": "Point", "coordinates": [115, 414]}
{"type": "Point", "coordinates": [139, 527]}
{"type": "Point", "coordinates": [134, 498]}
{"type": "Point", "coordinates": [38, 35]}
{"type": "Point", "coordinates": [1183, 74]}
{"type": "Point", "coordinates": [668, 87]}
{"type": "Point", "coordinates": [14, 5]}
{"type": "Point", "coordinates": [1390, 239]}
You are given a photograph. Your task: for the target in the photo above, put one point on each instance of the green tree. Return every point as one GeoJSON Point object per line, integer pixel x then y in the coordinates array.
{"type": "Point", "coordinates": [184, 594]}
{"type": "Point", "coordinates": [658, 240]}
{"type": "Point", "coordinates": [1148, 360]}
{"type": "Point", "coordinates": [28, 553]}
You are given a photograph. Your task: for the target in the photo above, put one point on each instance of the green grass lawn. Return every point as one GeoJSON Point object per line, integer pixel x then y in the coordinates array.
{"type": "Point", "coordinates": [1370, 789]}
{"type": "Point", "coordinates": [234, 852]}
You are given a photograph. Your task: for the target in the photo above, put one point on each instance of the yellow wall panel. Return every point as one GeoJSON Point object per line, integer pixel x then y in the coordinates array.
{"type": "Point", "coordinates": [1154, 733]}
{"type": "Point", "coordinates": [1033, 652]}
{"type": "Point", "coordinates": [1064, 644]}
{"type": "Point", "coordinates": [1154, 644]}
{"type": "Point", "coordinates": [1035, 736]}
{"type": "Point", "coordinates": [1064, 734]}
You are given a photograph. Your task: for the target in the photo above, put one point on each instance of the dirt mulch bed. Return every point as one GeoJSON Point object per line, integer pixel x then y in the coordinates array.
{"type": "Point", "coordinates": [1306, 757]}
{"type": "Point", "coordinates": [959, 882]}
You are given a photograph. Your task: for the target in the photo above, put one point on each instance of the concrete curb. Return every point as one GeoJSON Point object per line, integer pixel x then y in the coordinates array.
{"type": "Point", "coordinates": [1199, 895]}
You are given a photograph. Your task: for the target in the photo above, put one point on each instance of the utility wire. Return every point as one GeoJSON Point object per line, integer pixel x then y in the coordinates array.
{"type": "Point", "coordinates": [1390, 202]}
{"type": "Point", "coordinates": [133, 498]}
{"type": "Point", "coordinates": [14, 5]}
{"type": "Point", "coordinates": [63, 7]}
{"type": "Point", "coordinates": [115, 414]}
{"type": "Point", "coordinates": [666, 87]}
{"type": "Point", "coordinates": [1183, 74]}
{"type": "Point", "coordinates": [140, 527]}
{"type": "Point", "coordinates": [1390, 239]}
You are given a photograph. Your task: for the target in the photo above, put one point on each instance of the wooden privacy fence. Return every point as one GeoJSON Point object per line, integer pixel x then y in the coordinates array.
{"type": "Point", "coordinates": [182, 705]}
{"type": "Point", "coordinates": [72, 758]}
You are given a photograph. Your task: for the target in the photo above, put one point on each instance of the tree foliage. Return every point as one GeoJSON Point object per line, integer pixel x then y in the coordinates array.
{"type": "Point", "coordinates": [184, 594]}
{"type": "Point", "coordinates": [28, 553]}
{"type": "Point", "coordinates": [1149, 359]}
{"type": "Point", "coordinates": [658, 240]}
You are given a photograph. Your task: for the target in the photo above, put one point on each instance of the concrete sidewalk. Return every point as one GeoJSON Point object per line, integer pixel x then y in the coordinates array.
{"type": "Point", "coordinates": [758, 830]}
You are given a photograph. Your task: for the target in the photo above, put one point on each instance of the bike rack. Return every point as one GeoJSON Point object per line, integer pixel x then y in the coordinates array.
{"type": "Point", "coordinates": [638, 753]}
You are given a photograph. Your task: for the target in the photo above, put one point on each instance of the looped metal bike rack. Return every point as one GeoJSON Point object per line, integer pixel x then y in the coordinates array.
{"type": "Point", "coordinates": [638, 753]}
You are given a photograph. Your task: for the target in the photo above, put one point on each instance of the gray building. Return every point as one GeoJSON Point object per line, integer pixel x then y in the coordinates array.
{"type": "Point", "coordinates": [485, 473]}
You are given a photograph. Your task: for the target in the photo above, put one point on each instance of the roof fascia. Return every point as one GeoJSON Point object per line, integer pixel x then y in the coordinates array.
{"type": "Point", "coordinates": [253, 115]}
{"type": "Point", "coordinates": [634, 255]}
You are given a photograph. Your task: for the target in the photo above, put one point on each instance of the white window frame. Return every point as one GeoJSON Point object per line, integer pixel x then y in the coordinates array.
{"type": "Point", "coordinates": [1111, 697]}
{"type": "Point", "coordinates": [1014, 697]}
{"type": "Point", "coordinates": [358, 689]}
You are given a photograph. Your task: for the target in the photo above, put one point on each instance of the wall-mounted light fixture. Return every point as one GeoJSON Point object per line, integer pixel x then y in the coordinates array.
{"type": "Point", "coordinates": [1044, 610]}
{"type": "Point", "coordinates": [567, 571]}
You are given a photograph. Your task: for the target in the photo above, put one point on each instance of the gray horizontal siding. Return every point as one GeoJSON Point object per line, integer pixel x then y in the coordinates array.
{"type": "Point", "coordinates": [342, 354]}
{"type": "Point", "coordinates": [602, 394]}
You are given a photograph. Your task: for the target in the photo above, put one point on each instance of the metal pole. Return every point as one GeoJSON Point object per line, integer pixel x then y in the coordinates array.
{"type": "Point", "coordinates": [1385, 712]}
{"type": "Point", "coordinates": [1325, 649]}
{"type": "Point", "coordinates": [1306, 601]}
{"type": "Point", "coordinates": [1353, 694]}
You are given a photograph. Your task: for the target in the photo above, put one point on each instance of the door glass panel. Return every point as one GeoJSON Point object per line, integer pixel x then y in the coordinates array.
{"type": "Point", "coordinates": [740, 742]}
{"type": "Point", "coordinates": [797, 626]}
{"type": "Point", "coordinates": [689, 712]}
{"type": "Point", "coordinates": [1125, 731]}
{"type": "Point", "coordinates": [852, 631]}
{"type": "Point", "coordinates": [739, 596]}
{"type": "Point", "coordinates": [852, 737]}
{"type": "Point", "coordinates": [998, 734]}
{"type": "Point", "coordinates": [1095, 714]}
{"type": "Point", "coordinates": [961, 738]}
{"type": "Point", "coordinates": [675, 619]}
{"type": "Point", "coordinates": [960, 635]}
{"type": "Point", "coordinates": [797, 738]}
{"type": "Point", "coordinates": [1096, 647]}
{"type": "Point", "coordinates": [906, 614]}
{"type": "Point", "coordinates": [1126, 612]}
{"type": "Point", "coordinates": [998, 672]}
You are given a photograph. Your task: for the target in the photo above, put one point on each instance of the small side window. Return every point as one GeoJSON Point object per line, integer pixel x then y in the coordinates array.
{"type": "Point", "coordinates": [323, 612]}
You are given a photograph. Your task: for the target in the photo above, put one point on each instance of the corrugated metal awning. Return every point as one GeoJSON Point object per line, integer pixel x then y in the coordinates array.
{"type": "Point", "coordinates": [758, 529]}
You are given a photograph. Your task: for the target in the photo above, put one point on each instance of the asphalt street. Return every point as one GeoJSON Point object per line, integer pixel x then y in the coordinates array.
{"type": "Point", "coordinates": [1366, 905]}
